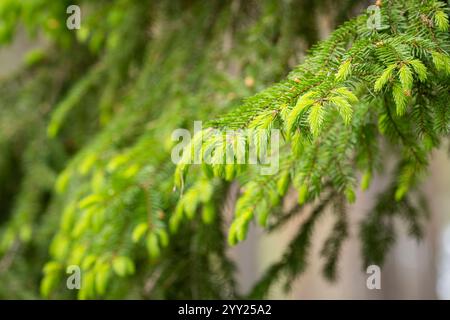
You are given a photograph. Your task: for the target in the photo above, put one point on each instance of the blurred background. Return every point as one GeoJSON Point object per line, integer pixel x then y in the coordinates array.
{"type": "Point", "coordinates": [413, 270]}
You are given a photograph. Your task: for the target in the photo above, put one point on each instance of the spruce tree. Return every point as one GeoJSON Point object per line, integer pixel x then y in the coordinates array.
{"type": "Point", "coordinates": [87, 122]}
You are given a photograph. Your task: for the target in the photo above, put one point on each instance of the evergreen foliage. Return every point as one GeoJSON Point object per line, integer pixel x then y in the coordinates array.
{"type": "Point", "coordinates": [86, 126]}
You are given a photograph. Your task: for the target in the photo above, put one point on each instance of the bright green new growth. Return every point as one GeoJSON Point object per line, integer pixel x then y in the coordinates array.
{"type": "Point", "coordinates": [93, 138]}
{"type": "Point", "coordinates": [322, 153]}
